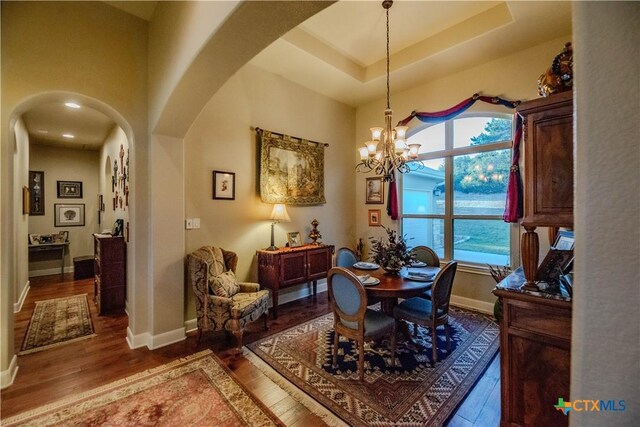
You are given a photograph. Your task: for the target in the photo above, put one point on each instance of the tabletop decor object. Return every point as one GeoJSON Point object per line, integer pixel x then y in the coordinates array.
{"type": "Point", "coordinates": [392, 254]}
{"type": "Point", "coordinates": [314, 235]}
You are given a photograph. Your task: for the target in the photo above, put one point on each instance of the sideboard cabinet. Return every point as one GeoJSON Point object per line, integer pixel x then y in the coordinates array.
{"type": "Point", "coordinates": [548, 174]}
{"type": "Point", "coordinates": [287, 267]}
{"type": "Point", "coordinates": [110, 258]}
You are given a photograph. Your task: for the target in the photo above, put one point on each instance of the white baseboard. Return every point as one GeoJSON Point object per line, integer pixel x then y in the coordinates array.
{"type": "Point", "coordinates": [481, 306]}
{"type": "Point", "coordinates": [49, 271]}
{"type": "Point", "coordinates": [191, 325]}
{"type": "Point", "coordinates": [18, 305]}
{"type": "Point", "coordinates": [7, 377]}
{"type": "Point", "coordinates": [300, 292]}
{"type": "Point", "coordinates": [153, 342]}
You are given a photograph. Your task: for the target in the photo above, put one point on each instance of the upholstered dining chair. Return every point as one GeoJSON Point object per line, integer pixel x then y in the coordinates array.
{"type": "Point", "coordinates": [345, 257]}
{"type": "Point", "coordinates": [426, 255]}
{"type": "Point", "coordinates": [352, 318]}
{"type": "Point", "coordinates": [223, 303]}
{"type": "Point", "coordinates": [433, 312]}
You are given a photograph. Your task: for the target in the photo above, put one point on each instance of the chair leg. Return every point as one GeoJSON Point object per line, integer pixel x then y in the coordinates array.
{"type": "Point", "coordinates": [361, 359]}
{"type": "Point", "coordinates": [238, 334]}
{"type": "Point", "coordinates": [265, 318]}
{"type": "Point", "coordinates": [393, 346]}
{"type": "Point", "coordinates": [199, 336]}
{"type": "Point", "coordinates": [434, 343]}
{"type": "Point", "coordinates": [336, 341]}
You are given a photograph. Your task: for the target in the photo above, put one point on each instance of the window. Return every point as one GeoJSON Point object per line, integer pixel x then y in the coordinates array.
{"type": "Point", "coordinates": [455, 203]}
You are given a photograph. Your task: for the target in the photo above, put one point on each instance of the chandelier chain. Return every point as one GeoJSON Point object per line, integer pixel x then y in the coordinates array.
{"type": "Point", "coordinates": [388, 85]}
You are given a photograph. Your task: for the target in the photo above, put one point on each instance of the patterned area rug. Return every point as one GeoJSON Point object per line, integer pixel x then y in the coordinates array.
{"type": "Point", "coordinates": [412, 392]}
{"type": "Point", "coordinates": [58, 321]}
{"type": "Point", "coordinates": [195, 391]}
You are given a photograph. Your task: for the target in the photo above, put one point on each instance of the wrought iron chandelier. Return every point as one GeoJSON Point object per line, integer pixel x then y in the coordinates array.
{"type": "Point", "coordinates": [388, 150]}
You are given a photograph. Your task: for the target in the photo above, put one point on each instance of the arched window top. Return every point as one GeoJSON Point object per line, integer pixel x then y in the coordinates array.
{"type": "Point", "coordinates": [466, 130]}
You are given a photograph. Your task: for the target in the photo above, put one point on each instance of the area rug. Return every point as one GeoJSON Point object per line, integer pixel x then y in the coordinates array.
{"type": "Point", "coordinates": [195, 391]}
{"type": "Point", "coordinates": [58, 321]}
{"type": "Point", "coordinates": [413, 392]}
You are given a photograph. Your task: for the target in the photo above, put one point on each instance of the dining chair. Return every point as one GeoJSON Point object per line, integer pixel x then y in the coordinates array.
{"type": "Point", "coordinates": [345, 257]}
{"type": "Point", "coordinates": [433, 312]}
{"type": "Point", "coordinates": [352, 318]}
{"type": "Point", "coordinates": [426, 255]}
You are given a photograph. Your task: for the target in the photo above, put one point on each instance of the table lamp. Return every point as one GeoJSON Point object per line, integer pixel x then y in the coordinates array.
{"type": "Point", "coordinates": [278, 214]}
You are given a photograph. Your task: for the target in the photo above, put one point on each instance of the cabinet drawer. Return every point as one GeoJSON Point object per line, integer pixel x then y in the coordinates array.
{"type": "Point", "coordinates": [544, 320]}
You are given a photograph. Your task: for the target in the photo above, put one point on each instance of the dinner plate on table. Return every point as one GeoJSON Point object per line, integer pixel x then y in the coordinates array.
{"type": "Point", "coordinates": [367, 280]}
{"type": "Point", "coordinates": [420, 277]}
{"type": "Point", "coordinates": [366, 265]}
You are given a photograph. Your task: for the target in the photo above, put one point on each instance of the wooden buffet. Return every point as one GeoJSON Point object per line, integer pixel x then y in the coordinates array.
{"type": "Point", "coordinates": [287, 267]}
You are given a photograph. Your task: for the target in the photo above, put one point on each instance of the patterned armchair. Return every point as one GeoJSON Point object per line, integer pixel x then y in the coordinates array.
{"type": "Point", "coordinates": [222, 303]}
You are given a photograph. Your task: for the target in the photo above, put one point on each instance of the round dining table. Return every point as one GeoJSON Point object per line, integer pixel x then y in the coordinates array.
{"type": "Point", "coordinates": [394, 286]}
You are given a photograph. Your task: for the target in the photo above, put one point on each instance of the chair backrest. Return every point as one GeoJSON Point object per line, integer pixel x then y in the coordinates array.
{"type": "Point", "coordinates": [441, 289]}
{"type": "Point", "coordinates": [348, 297]}
{"type": "Point", "coordinates": [345, 257]}
{"type": "Point", "coordinates": [200, 265]}
{"type": "Point", "coordinates": [426, 255]}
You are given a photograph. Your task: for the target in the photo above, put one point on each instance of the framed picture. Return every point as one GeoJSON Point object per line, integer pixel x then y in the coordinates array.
{"type": "Point", "coordinates": [25, 200]}
{"type": "Point", "coordinates": [70, 189]}
{"type": "Point", "coordinates": [34, 239]}
{"type": "Point", "coordinates": [554, 265]}
{"type": "Point", "coordinates": [374, 191]}
{"type": "Point", "coordinates": [374, 217]}
{"type": "Point", "coordinates": [68, 215]}
{"type": "Point", "coordinates": [294, 239]}
{"type": "Point", "coordinates": [224, 185]}
{"type": "Point", "coordinates": [564, 240]}
{"type": "Point", "coordinates": [36, 192]}
{"type": "Point", "coordinates": [291, 169]}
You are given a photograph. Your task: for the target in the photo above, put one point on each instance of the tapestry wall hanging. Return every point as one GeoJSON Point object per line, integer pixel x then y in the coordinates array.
{"type": "Point", "coordinates": [291, 169]}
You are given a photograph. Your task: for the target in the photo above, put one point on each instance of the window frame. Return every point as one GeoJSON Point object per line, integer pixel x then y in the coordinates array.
{"type": "Point", "coordinates": [448, 217]}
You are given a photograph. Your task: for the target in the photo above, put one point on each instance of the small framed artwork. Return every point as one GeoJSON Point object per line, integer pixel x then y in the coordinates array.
{"type": "Point", "coordinates": [70, 189]}
{"type": "Point", "coordinates": [68, 215]}
{"type": "Point", "coordinates": [374, 191]}
{"type": "Point", "coordinates": [374, 217]}
{"type": "Point", "coordinates": [36, 192]}
{"type": "Point", "coordinates": [555, 264]}
{"type": "Point", "coordinates": [564, 241]}
{"type": "Point", "coordinates": [34, 239]}
{"type": "Point", "coordinates": [294, 239]}
{"type": "Point", "coordinates": [224, 185]}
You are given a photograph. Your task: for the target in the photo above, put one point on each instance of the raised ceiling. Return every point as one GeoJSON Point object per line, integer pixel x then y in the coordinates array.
{"type": "Point", "coordinates": [340, 52]}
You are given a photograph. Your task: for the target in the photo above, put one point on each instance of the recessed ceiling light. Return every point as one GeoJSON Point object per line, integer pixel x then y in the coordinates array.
{"type": "Point", "coordinates": [42, 131]}
{"type": "Point", "coordinates": [72, 105]}
{"type": "Point", "coordinates": [68, 135]}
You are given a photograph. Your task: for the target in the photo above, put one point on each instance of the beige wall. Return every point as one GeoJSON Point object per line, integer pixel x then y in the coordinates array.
{"type": "Point", "coordinates": [606, 325]}
{"type": "Point", "coordinates": [64, 164]}
{"type": "Point", "coordinates": [100, 54]}
{"type": "Point", "coordinates": [21, 179]}
{"type": "Point", "coordinates": [512, 77]}
{"type": "Point", "coordinates": [221, 139]}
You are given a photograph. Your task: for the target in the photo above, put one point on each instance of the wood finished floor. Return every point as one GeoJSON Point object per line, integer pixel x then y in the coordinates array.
{"type": "Point", "coordinates": [56, 373]}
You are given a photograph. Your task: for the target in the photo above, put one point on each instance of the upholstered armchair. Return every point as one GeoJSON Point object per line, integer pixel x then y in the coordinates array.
{"type": "Point", "coordinates": [223, 303]}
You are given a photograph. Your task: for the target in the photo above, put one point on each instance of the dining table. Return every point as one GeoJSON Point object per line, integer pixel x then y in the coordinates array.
{"type": "Point", "coordinates": [395, 286]}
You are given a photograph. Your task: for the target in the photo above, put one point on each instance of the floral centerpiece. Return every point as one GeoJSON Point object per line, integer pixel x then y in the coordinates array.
{"type": "Point", "coordinates": [392, 254]}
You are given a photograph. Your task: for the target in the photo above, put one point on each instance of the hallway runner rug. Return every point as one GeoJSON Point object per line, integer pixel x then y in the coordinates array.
{"type": "Point", "coordinates": [413, 392]}
{"type": "Point", "coordinates": [198, 390]}
{"type": "Point", "coordinates": [58, 321]}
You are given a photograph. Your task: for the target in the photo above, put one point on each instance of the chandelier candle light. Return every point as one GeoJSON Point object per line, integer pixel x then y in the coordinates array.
{"type": "Point", "coordinates": [387, 151]}
{"type": "Point", "coordinates": [278, 214]}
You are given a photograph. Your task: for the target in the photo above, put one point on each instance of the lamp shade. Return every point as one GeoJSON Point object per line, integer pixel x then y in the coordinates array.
{"type": "Point", "coordinates": [279, 213]}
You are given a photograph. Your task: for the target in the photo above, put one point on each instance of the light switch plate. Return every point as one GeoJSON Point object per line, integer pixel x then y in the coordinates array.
{"type": "Point", "coordinates": [196, 223]}
{"type": "Point", "coordinates": [189, 223]}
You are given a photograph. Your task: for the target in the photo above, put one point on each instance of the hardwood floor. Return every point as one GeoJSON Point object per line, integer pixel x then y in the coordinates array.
{"type": "Point", "coordinates": [53, 374]}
